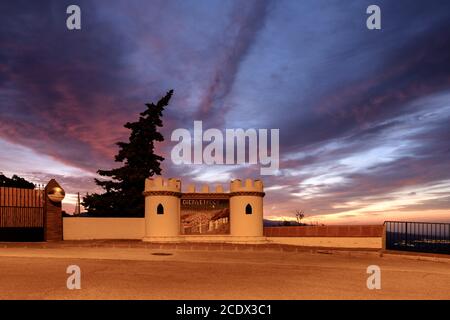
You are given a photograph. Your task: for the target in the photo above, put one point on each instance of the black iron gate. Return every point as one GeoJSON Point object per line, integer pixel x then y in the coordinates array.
{"type": "Point", "coordinates": [21, 214]}
{"type": "Point", "coordinates": [418, 236]}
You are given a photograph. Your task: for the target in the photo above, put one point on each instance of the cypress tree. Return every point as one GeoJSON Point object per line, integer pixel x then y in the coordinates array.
{"type": "Point", "coordinates": [124, 186]}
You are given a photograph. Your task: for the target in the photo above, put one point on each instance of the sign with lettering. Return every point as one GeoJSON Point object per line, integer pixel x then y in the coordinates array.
{"type": "Point", "coordinates": [205, 216]}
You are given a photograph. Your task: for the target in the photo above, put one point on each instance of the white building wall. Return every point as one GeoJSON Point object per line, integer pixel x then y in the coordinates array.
{"type": "Point", "coordinates": [103, 228]}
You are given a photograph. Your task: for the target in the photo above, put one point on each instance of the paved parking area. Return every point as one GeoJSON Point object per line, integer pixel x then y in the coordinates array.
{"type": "Point", "coordinates": [39, 272]}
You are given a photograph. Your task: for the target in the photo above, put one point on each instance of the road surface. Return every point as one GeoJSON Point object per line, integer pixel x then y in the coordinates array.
{"type": "Point", "coordinates": [136, 273]}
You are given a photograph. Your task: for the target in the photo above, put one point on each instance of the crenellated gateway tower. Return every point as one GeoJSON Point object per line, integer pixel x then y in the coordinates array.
{"type": "Point", "coordinates": [174, 216]}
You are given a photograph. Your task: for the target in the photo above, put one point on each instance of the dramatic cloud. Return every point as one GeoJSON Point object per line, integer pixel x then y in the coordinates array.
{"type": "Point", "coordinates": [363, 115]}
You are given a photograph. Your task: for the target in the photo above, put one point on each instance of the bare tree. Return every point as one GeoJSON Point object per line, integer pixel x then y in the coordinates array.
{"type": "Point", "coordinates": [299, 215]}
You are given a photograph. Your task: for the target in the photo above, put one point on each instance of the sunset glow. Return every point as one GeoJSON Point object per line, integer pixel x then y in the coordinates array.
{"type": "Point", "coordinates": [363, 116]}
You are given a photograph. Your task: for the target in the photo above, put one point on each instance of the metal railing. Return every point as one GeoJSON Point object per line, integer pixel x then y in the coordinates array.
{"type": "Point", "coordinates": [418, 236]}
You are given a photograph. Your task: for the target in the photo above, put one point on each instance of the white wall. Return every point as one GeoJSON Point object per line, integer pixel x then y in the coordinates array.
{"type": "Point", "coordinates": [162, 225]}
{"type": "Point", "coordinates": [103, 228]}
{"type": "Point", "coordinates": [246, 225]}
{"type": "Point", "coordinates": [134, 228]}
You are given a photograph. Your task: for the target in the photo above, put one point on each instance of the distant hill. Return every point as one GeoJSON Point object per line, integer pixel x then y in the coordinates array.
{"type": "Point", "coordinates": [278, 223]}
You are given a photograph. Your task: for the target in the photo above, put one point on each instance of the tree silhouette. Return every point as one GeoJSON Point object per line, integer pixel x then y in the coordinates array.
{"type": "Point", "coordinates": [15, 182]}
{"type": "Point", "coordinates": [299, 215]}
{"type": "Point", "coordinates": [123, 190]}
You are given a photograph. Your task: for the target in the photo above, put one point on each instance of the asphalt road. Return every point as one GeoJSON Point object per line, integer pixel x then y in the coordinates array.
{"type": "Point", "coordinates": [135, 273]}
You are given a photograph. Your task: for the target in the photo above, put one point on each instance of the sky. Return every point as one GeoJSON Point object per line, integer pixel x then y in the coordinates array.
{"type": "Point", "coordinates": [363, 114]}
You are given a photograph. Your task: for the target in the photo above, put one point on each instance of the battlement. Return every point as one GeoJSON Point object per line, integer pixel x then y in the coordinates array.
{"type": "Point", "coordinates": [174, 185]}
{"type": "Point", "coordinates": [161, 184]}
{"type": "Point", "coordinates": [218, 188]}
{"type": "Point", "coordinates": [248, 185]}
{"type": "Point", "coordinates": [237, 185]}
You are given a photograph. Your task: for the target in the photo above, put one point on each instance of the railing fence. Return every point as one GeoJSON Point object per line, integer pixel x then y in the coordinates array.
{"type": "Point", "coordinates": [418, 236]}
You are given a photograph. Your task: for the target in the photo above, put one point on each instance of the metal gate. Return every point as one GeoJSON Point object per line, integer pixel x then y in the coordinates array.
{"type": "Point", "coordinates": [418, 236]}
{"type": "Point", "coordinates": [21, 214]}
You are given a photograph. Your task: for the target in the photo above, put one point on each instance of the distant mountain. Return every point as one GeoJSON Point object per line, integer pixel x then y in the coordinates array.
{"type": "Point", "coordinates": [278, 223]}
